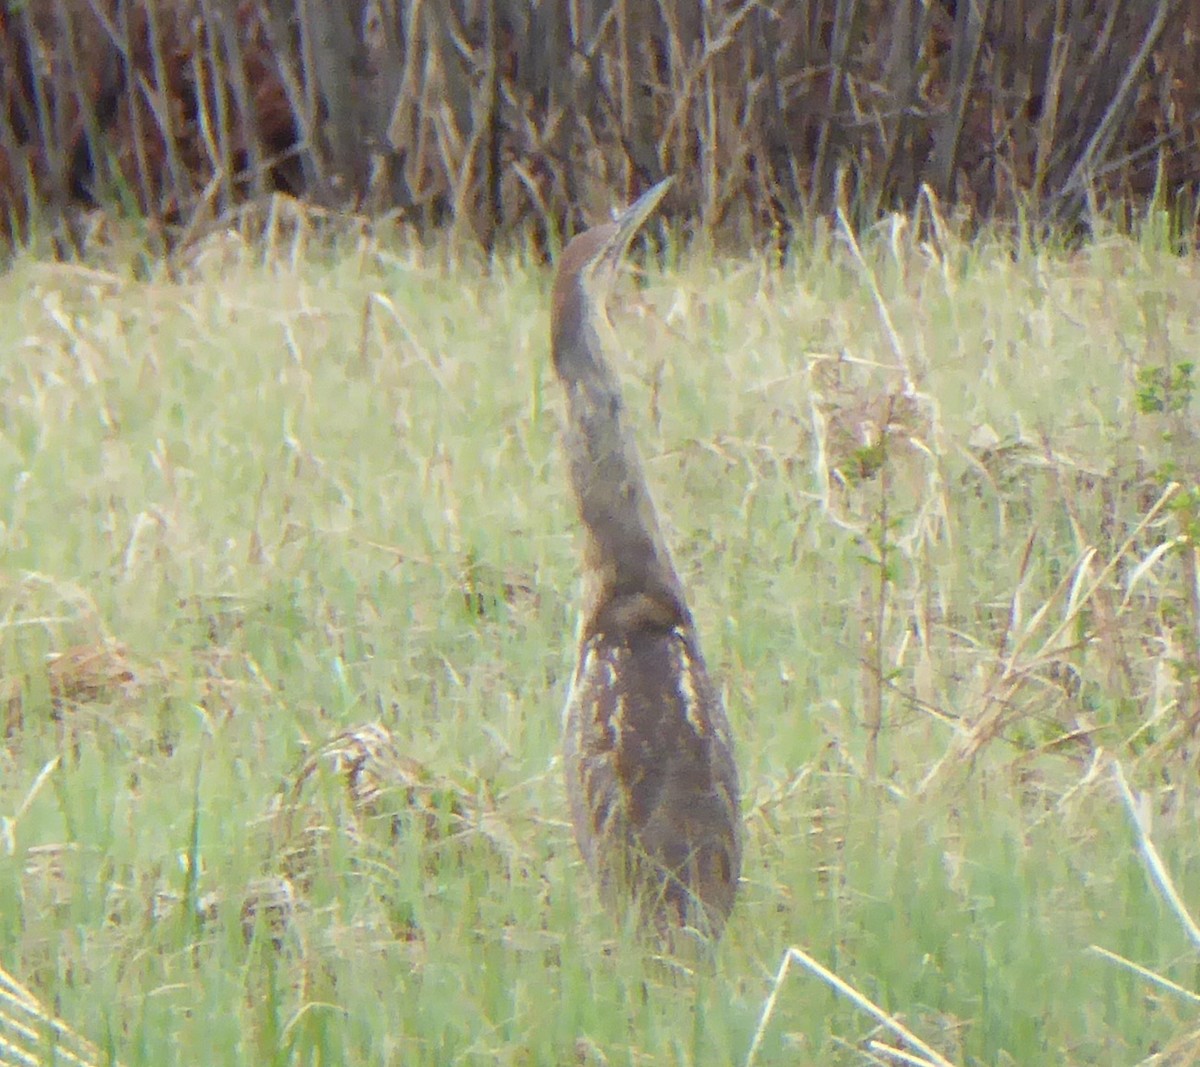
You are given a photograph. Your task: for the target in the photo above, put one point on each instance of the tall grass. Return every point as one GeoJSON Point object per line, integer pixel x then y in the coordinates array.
{"type": "Point", "coordinates": [281, 491]}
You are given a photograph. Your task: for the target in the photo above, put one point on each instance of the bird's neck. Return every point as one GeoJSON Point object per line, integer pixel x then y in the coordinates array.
{"type": "Point", "coordinates": [629, 577]}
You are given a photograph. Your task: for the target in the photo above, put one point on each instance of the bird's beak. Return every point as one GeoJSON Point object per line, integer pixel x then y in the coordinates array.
{"type": "Point", "coordinates": [630, 220]}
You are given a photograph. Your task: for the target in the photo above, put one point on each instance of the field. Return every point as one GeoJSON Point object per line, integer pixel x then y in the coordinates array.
{"type": "Point", "coordinates": [288, 584]}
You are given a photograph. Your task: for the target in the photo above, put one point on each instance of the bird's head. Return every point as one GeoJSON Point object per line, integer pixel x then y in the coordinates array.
{"type": "Point", "coordinates": [585, 275]}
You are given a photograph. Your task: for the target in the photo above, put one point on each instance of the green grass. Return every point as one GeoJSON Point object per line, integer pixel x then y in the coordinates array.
{"type": "Point", "coordinates": [280, 494]}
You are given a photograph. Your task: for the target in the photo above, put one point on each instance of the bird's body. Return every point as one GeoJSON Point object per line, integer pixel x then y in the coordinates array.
{"type": "Point", "coordinates": [648, 754]}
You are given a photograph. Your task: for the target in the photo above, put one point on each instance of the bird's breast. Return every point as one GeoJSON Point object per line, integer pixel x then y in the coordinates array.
{"type": "Point", "coordinates": [646, 725]}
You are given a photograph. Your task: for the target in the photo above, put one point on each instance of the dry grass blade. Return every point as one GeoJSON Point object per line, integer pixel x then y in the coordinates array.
{"type": "Point", "coordinates": [932, 1056]}
{"type": "Point", "coordinates": [28, 1031]}
{"type": "Point", "coordinates": [8, 824]}
{"type": "Point", "coordinates": [1154, 863]}
{"type": "Point", "coordinates": [1145, 972]}
{"type": "Point", "coordinates": [898, 1055]}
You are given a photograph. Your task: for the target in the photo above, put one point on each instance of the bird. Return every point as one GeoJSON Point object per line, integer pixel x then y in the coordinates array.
{"type": "Point", "coordinates": [647, 750]}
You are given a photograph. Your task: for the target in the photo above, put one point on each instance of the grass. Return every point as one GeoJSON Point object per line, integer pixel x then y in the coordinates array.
{"type": "Point", "coordinates": [280, 492]}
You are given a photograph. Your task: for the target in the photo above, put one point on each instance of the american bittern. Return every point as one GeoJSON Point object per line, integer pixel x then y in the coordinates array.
{"type": "Point", "coordinates": [647, 749]}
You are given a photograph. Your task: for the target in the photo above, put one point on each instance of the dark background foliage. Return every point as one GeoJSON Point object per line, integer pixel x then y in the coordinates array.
{"type": "Point", "coordinates": [505, 117]}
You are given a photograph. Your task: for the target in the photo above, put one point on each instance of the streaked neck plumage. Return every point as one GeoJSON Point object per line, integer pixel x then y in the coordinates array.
{"type": "Point", "coordinates": [629, 576]}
